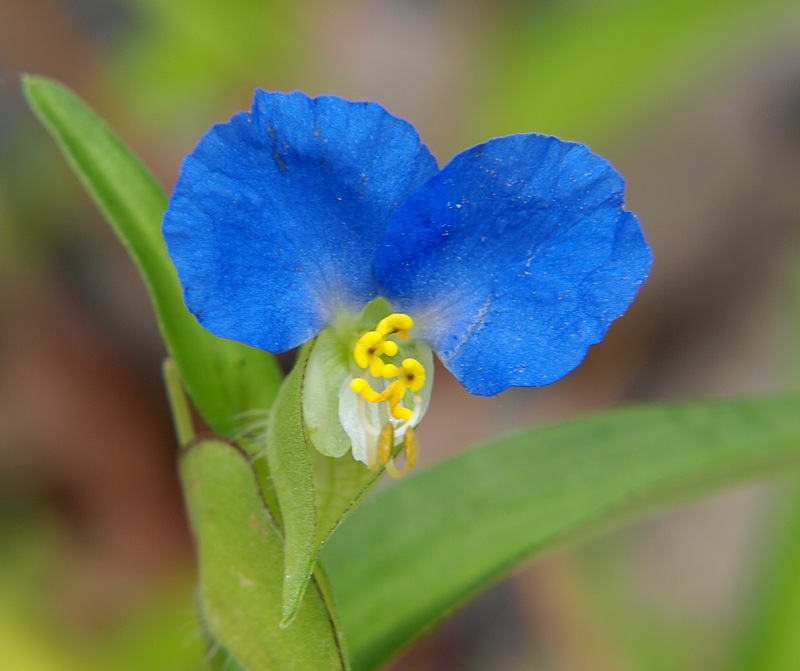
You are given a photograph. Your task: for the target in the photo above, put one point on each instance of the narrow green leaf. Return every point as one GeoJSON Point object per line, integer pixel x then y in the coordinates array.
{"type": "Point", "coordinates": [414, 552]}
{"type": "Point", "coordinates": [224, 378]}
{"type": "Point", "coordinates": [241, 577]}
{"type": "Point", "coordinates": [769, 641]}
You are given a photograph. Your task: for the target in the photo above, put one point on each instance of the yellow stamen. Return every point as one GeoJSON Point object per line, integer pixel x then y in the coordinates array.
{"type": "Point", "coordinates": [413, 374]}
{"type": "Point", "coordinates": [399, 412]}
{"type": "Point", "coordinates": [369, 349]}
{"type": "Point", "coordinates": [390, 370]}
{"type": "Point", "coordinates": [410, 451]}
{"type": "Point", "coordinates": [393, 395]}
{"type": "Point", "coordinates": [397, 324]}
{"type": "Point", "coordinates": [411, 447]}
{"type": "Point", "coordinates": [386, 443]}
{"type": "Point", "coordinates": [366, 348]}
{"type": "Point", "coordinates": [363, 388]}
{"type": "Point", "coordinates": [410, 375]}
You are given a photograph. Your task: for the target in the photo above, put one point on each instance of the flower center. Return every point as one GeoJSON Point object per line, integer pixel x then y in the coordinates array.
{"type": "Point", "coordinates": [410, 375]}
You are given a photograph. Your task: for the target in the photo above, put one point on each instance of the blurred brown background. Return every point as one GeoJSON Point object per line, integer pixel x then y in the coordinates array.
{"type": "Point", "coordinates": [697, 103]}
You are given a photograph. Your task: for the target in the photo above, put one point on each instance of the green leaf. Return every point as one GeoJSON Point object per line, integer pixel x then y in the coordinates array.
{"type": "Point", "coordinates": [769, 640]}
{"type": "Point", "coordinates": [596, 70]}
{"type": "Point", "coordinates": [240, 564]}
{"type": "Point", "coordinates": [414, 552]}
{"type": "Point", "coordinates": [224, 378]}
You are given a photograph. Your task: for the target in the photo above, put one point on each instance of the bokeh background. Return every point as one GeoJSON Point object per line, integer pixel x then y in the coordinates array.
{"type": "Point", "coordinates": [697, 102]}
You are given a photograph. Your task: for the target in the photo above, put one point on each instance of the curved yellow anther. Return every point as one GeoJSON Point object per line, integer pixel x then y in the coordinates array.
{"type": "Point", "coordinates": [363, 388]}
{"type": "Point", "coordinates": [367, 353]}
{"type": "Point", "coordinates": [411, 452]}
{"type": "Point", "coordinates": [399, 412]}
{"type": "Point", "coordinates": [413, 374]}
{"type": "Point", "coordinates": [393, 394]}
{"type": "Point", "coordinates": [390, 370]}
{"type": "Point", "coordinates": [376, 367]}
{"type": "Point", "coordinates": [369, 349]}
{"type": "Point", "coordinates": [397, 324]}
{"type": "Point", "coordinates": [366, 348]}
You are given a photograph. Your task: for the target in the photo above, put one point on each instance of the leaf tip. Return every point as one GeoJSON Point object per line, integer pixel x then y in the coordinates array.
{"type": "Point", "coordinates": [293, 593]}
{"type": "Point", "coordinates": [287, 615]}
{"type": "Point", "coordinates": [26, 81]}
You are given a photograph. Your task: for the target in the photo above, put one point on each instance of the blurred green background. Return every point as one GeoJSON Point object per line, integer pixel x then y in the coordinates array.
{"type": "Point", "coordinates": [697, 102]}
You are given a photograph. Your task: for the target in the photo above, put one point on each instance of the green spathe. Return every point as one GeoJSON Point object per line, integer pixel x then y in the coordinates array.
{"type": "Point", "coordinates": [240, 555]}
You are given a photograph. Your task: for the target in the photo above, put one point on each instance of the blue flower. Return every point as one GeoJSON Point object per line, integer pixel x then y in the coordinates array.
{"type": "Point", "coordinates": [512, 260]}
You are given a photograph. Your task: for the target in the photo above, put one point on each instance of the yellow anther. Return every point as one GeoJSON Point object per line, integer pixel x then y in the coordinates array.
{"type": "Point", "coordinates": [363, 388]}
{"type": "Point", "coordinates": [393, 393]}
{"type": "Point", "coordinates": [386, 444]}
{"type": "Point", "coordinates": [411, 447]}
{"type": "Point", "coordinates": [390, 370]}
{"type": "Point", "coordinates": [397, 324]}
{"type": "Point", "coordinates": [369, 349]}
{"type": "Point", "coordinates": [411, 452]}
{"type": "Point", "coordinates": [376, 367]}
{"type": "Point", "coordinates": [367, 354]}
{"type": "Point", "coordinates": [399, 412]}
{"type": "Point", "coordinates": [413, 374]}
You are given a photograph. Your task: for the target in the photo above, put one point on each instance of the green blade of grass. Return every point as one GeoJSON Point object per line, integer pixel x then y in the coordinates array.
{"type": "Point", "coordinates": [224, 378]}
{"type": "Point", "coordinates": [430, 542]}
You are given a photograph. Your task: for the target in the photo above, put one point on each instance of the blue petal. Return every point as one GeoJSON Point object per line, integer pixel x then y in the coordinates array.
{"type": "Point", "coordinates": [277, 215]}
{"type": "Point", "coordinates": [514, 260]}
